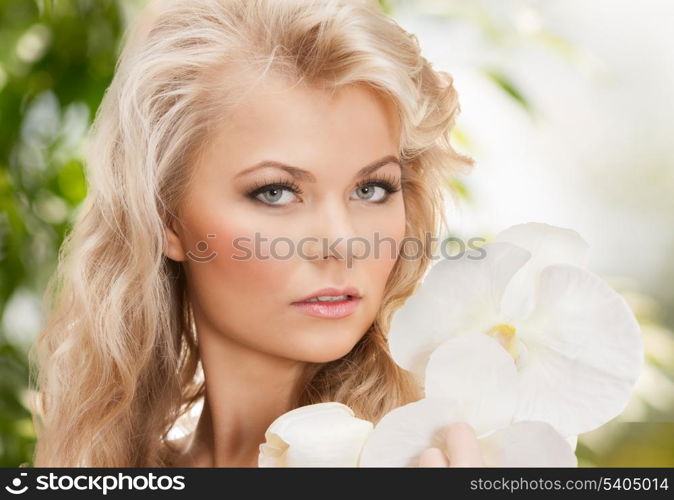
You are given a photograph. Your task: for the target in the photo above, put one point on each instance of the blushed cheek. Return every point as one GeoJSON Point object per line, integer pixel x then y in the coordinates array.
{"type": "Point", "coordinates": [380, 267]}
{"type": "Point", "coordinates": [241, 263]}
{"type": "Point", "coordinates": [385, 247]}
{"type": "Point", "coordinates": [391, 230]}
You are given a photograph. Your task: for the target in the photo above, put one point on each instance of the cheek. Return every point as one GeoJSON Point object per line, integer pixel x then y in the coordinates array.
{"type": "Point", "coordinates": [233, 280]}
{"type": "Point", "coordinates": [387, 231]}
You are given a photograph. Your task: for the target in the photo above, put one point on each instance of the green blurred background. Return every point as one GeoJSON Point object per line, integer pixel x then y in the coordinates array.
{"type": "Point", "coordinates": [57, 58]}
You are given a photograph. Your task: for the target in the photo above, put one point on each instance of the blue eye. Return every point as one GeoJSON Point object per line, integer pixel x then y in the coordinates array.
{"type": "Point", "coordinates": [282, 193]}
{"type": "Point", "coordinates": [275, 194]}
{"type": "Point", "coordinates": [377, 189]}
{"type": "Point", "coordinates": [371, 192]}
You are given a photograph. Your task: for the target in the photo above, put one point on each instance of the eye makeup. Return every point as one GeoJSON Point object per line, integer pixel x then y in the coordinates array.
{"type": "Point", "coordinates": [389, 183]}
{"type": "Point", "coordinates": [279, 183]}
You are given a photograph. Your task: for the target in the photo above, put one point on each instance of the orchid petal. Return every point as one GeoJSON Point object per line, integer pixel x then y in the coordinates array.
{"type": "Point", "coordinates": [527, 444]}
{"type": "Point", "coordinates": [585, 352]}
{"type": "Point", "coordinates": [405, 432]}
{"type": "Point", "coordinates": [548, 245]}
{"type": "Point", "coordinates": [318, 435]}
{"type": "Point", "coordinates": [476, 370]}
{"type": "Point", "coordinates": [455, 296]}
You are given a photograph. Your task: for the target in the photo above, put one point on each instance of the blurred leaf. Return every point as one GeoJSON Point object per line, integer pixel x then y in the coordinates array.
{"type": "Point", "coordinates": [458, 187]}
{"type": "Point", "coordinates": [386, 6]}
{"type": "Point", "coordinates": [508, 87]}
{"type": "Point", "coordinates": [61, 52]}
{"type": "Point", "coordinates": [72, 183]}
{"type": "Point", "coordinates": [458, 136]}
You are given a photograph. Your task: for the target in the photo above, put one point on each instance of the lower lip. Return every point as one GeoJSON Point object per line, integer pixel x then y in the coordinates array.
{"type": "Point", "coordinates": [331, 310]}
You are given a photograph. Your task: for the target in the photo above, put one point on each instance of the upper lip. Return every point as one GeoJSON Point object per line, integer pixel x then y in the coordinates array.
{"type": "Point", "coordinates": [349, 290]}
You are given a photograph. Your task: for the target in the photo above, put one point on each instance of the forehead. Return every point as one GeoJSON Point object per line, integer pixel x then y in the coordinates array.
{"type": "Point", "coordinates": [354, 122]}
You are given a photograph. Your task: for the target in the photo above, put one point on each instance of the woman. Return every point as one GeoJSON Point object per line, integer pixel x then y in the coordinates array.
{"type": "Point", "coordinates": [244, 162]}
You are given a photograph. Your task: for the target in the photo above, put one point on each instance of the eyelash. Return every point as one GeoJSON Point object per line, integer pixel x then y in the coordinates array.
{"type": "Point", "coordinates": [388, 183]}
{"type": "Point", "coordinates": [267, 186]}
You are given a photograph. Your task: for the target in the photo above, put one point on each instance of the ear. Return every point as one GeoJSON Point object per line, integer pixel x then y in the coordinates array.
{"type": "Point", "coordinates": [174, 247]}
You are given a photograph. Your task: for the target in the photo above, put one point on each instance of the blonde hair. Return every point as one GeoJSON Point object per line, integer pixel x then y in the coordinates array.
{"type": "Point", "coordinates": [117, 361]}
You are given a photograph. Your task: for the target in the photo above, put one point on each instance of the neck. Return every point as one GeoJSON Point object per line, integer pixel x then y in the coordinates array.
{"type": "Point", "coordinates": [246, 390]}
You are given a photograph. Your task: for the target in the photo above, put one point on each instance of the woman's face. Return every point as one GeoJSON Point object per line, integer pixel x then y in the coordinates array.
{"type": "Point", "coordinates": [253, 237]}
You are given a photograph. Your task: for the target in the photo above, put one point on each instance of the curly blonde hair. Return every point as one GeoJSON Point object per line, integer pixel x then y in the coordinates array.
{"type": "Point", "coordinates": [117, 360]}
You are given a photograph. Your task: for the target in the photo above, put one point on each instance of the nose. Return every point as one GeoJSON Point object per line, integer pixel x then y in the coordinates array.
{"type": "Point", "coordinates": [334, 236]}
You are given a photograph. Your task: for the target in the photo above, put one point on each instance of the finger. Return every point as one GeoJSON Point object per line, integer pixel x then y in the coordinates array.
{"type": "Point", "coordinates": [433, 457]}
{"type": "Point", "coordinates": [461, 446]}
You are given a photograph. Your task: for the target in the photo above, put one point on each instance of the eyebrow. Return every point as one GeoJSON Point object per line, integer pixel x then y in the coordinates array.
{"type": "Point", "coordinates": [306, 176]}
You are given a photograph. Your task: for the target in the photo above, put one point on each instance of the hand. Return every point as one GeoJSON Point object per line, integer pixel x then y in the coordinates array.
{"type": "Point", "coordinates": [461, 449]}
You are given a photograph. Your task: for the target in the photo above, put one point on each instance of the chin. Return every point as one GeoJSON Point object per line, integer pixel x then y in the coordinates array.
{"type": "Point", "coordinates": [324, 350]}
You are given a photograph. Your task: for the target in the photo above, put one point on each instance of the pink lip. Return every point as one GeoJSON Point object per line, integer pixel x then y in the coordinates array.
{"type": "Point", "coordinates": [330, 310]}
{"type": "Point", "coordinates": [349, 290]}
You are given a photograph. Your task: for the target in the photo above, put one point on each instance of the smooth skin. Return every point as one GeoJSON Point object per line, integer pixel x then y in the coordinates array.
{"type": "Point", "coordinates": [253, 343]}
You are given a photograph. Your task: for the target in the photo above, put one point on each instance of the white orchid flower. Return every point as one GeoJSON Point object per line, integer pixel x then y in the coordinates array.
{"type": "Point", "coordinates": [468, 379]}
{"type": "Point", "coordinates": [573, 340]}
{"type": "Point", "coordinates": [318, 435]}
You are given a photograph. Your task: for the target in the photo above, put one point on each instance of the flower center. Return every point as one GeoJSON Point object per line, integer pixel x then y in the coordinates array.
{"type": "Point", "coordinates": [505, 334]}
